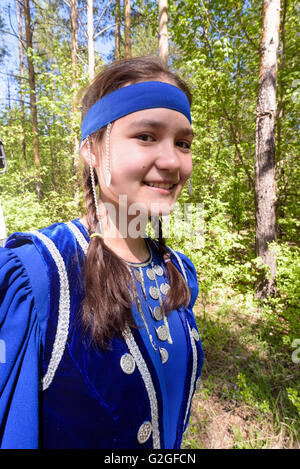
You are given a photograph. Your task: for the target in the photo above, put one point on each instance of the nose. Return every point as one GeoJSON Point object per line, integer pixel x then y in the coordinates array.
{"type": "Point", "coordinates": [168, 158]}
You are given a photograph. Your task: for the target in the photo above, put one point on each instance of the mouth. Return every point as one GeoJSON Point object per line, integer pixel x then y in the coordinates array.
{"type": "Point", "coordinates": [160, 186]}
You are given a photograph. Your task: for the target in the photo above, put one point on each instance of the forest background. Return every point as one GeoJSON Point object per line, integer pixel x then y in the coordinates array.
{"type": "Point", "coordinates": [250, 393]}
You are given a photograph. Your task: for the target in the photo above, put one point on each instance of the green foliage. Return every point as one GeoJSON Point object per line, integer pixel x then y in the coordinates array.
{"type": "Point", "coordinates": [294, 398]}
{"type": "Point", "coordinates": [283, 310]}
{"type": "Point", "coordinates": [214, 45]}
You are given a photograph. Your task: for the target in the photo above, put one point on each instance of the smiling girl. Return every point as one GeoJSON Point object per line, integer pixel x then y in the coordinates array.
{"type": "Point", "coordinates": [102, 347]}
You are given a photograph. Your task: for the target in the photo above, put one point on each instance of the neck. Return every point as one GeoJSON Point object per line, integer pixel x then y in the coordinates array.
{"type": "Point", "coordinates": [129, 249]}
{"type": "Point", "coordinates": [132, 249]}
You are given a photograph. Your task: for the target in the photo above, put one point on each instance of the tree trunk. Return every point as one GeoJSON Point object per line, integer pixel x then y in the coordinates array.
{"type": "Point", "coordinates": [280, 161]}
{"type": "Point", "coordinates": [117, 30]}
{"type": "Point", "coordinates": [74, 49]}
{"type": "Point", "coordinates": [74, 58]}
{"type": "Point", "coordinates": [163, 30]}
{"type": "Point", "coordinates": [21, 67]}
{"type": "Point", "coordinates": [90, 31]}
{"type": "Point", "coordinates": [127, 29]}
{"type": "Point", "coordinates": [265, 182]}
{"type": "Point", "coordinates": [33, 107]}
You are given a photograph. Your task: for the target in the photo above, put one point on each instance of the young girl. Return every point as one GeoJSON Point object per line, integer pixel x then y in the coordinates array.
{"type": "Point", "coordinates": [101, 345]}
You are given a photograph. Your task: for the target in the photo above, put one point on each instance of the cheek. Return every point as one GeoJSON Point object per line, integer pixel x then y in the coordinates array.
{"type": "Point", "coordinates": [186, 168]}
{"type": "Point", "coordinates": [130, 162]}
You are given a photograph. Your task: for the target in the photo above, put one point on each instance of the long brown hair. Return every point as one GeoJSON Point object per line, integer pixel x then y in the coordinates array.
{"type": "Point", "coordinates": [108, 300]}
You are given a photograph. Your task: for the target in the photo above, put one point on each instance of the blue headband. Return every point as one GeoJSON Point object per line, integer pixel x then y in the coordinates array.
{"type": "Point", "coordinates": [132, 98]}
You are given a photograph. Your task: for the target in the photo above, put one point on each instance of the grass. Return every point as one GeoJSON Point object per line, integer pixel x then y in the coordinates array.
{"type": "Point", "coordinates": [244, 401]}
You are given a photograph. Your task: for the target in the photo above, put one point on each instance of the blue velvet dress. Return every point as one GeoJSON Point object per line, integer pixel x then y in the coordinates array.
{"type": "Point", "coordinates": [59, 391]}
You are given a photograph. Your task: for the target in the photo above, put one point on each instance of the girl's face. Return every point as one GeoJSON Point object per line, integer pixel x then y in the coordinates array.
{"type": "Point", "coordinates": [150, 160]}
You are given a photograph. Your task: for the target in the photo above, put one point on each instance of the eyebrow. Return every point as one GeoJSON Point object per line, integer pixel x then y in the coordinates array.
{"type": "Point", "coordinates": [159, 125]}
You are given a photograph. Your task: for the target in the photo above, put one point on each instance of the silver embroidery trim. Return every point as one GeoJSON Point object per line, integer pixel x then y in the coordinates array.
{"type": "Point", "coordinates": [135, 352]}
{"type": "Point", "coordinates": [193, 377]}
{"type": "Point", "coordinates": [63, 312]}
{"type": "Point", "coordinates": [146, 376]}
{"type": "Point", "coordinates": [180, 262]}
{"type": "Point", "coordinates": [63, 328]}
{"type": "Point", "coordinates": [79, 236]}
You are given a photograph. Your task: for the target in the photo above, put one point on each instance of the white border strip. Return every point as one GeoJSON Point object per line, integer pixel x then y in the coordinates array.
{"type": "Point", "coordinates": [63, 311]}
{"type": "Point", "coordinates": [146, 376]}
{"type": "Point", "coordinates": [193, 377]}
{"type": "Point", "coordinates": [179, 261]}
{"type": "Point", "coordinates": [135, 352]}
{"type": "Point", "coordinates": [79, 236]}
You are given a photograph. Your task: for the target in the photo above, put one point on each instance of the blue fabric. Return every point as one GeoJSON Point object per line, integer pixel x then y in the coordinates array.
{"type": "Point", "coordinates": [21, 330]}
{"type": "Point", "coordinates": [91, 402]}
{"type": "Point", "coordinates": [172, 374]}
{"type": "Point", "coordinates": [132, 98]}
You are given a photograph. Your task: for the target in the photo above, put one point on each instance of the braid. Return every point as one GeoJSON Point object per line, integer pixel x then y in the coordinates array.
{"type": "Point", "coordinates": [89, 199]}
{"type": "Point", "coordinates": [109, 313]}
{"type": "Point", "coordinates": [179, 292]}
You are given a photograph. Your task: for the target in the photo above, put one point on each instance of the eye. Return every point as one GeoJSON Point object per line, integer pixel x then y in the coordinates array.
{"type": "Point", "coordinates": [145, 137]}
{"type": "Point", "coordinates": [184, 145]}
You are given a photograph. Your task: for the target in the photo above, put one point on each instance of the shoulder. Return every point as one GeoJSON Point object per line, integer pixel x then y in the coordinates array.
{"type": "Point", "coordinates": [22, 333]}
{"type": "Point", "coordinates": [33, 264]}
{"type": "Point", "coordinates": [55, 241]}
{"type": "Point", "coordinates": [23, 280]}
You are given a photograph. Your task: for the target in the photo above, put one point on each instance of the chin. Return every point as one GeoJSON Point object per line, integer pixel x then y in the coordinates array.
{"type": "Point", "coordinates": [161, 209]}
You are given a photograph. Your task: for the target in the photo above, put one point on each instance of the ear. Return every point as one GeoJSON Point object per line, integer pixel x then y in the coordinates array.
{"type": "Point", "coordinates": [84, 153]}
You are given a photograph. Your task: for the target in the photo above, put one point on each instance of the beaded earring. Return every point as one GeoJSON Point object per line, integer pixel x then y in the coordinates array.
{"type": "Point", "coordinates": [99, 228]}
{"type": "Point", "coordinates": [107, 157]}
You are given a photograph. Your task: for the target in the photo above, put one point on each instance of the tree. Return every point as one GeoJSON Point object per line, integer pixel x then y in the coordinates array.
{"type": "Point", "coordinates": [163, 30]}
{"type": "Point", "coordinates": [2, 42]}
{"type": "Point", "coordinates": [74, 56]}
{"type": "Point", "coordinates": [265, 183]}
{"type": "Point", "coordinates": [90, 33]}
{"type": "Point", "coordinates": [33, 106]}
{"type": "Point", "coordinates": [117, 51]}
{"type": "Point", "coordinates": [21, 68]}
{"type": "Point", "coordinates": [127, 34]}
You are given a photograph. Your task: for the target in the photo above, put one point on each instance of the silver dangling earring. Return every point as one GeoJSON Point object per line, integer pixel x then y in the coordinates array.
{"type": "Point", "coordinates": [107, 157]}
{"type": "Point", "coordinates": [99, 227]}
{"type": "Point", "coordinates": [190, 186]}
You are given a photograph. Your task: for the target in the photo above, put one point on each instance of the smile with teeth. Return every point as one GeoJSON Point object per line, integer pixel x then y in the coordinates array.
{"type": "Point", "coordinates": [159, 185]}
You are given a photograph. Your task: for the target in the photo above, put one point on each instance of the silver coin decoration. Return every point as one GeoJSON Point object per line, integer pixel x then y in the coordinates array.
{"type": "Point", "coordinates": [144, 432]}
{"type": "Point", "coordinates": [158, 270]}
{"type": "Point", "coordinates": [162, 332]}
{"type": "Point", "coordinates": [164, 355]}
{"type": "Point", "coordinates": [150, 274]}
{"type": "Point", "coordinates": [164, 288]}
{"type": "Point", "coordinates": [127, 363]}
{"type": "Point", "coordinates": [157, 313]}
{"type": "Point", "coordinates": [153, 292]}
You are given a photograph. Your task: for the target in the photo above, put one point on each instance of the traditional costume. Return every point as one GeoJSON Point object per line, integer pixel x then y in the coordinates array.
{"type": "Point", "coordinates": [60, 391]}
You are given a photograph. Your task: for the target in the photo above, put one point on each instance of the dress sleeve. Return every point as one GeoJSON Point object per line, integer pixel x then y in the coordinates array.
{"type": "Point", "coordinates": [21, 338]}
{"type": "Point", "coordinates": [191, 277]}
